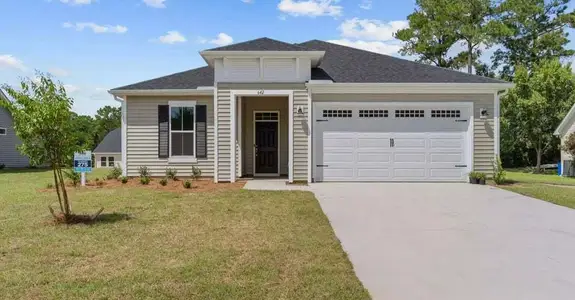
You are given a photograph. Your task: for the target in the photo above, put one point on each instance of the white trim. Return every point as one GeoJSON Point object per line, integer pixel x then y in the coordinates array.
{"type": "Point", "coordinates": [5, 131]}
{"type": "Point", "coordinates": [240, 137]}
{"type": "Point", "coordinates": [200, 91]}
{"type": "Point", "coordinates": [107, 153]}
{"type": "Point", "coordinates": [565, 123]}
{"type": "Point", "coordinates": [181, 158]}
{"type": "Point", "coordinates": [216, 141]}
{"type": "Point", "coordinates": [254, 121]}
{"type": "Point", "coordinates": [290, 137]}
{"type": "Point", "coordinates": [407, 88]}
{"type": "Point", "coordinates": [470, 151]}
{"type": "Point", "coordinates": [309, 137]}
{"type": "Point", "coordinates": [496, 115]}
{"type": "Point", "coordinates": [233, 124]}
{"type": "Point", "coordinates": [210, 56]}
{"type": "Point", "coordinates": [124, 128]}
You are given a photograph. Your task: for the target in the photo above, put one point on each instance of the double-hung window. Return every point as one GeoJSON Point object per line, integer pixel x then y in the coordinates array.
{"type": "Point", "coordinates": [2, 131]}
{"type": "Point", "coordinates": [102, 161]}
{"type": "Point", "coordinates": [182, 128]}
{"type": "Point", "coordinates": [111, 161]}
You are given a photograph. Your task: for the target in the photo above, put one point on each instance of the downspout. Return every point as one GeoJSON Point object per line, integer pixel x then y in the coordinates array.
{"type": "Point", "coordinates": [124, 133]}
{"type": "Point", "coordinates": [497, 121]}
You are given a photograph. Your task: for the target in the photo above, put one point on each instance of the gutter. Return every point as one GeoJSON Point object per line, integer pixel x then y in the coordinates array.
{"type": "Point", "coordinates": [326, 86]}
{"type": "Point", "coordinates": [164, 92]}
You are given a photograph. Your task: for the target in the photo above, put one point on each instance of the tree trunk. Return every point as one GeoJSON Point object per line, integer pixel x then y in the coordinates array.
{"type": "Point", "coordinates": [539, 156]}
{"type": "Point", "coordinates": [469, 58]}
{"type": "Point", "coordinates": [57, 185]}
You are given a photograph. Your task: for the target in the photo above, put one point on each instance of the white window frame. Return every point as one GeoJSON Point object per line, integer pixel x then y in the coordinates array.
{"type": "Point", "coordinates": [5, 131]}
{"type": "Point", "coordinates": [182, 158]}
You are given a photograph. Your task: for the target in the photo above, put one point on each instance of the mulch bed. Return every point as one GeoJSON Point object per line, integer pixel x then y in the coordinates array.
{"type": "Point", "coordinates": [202, 185]}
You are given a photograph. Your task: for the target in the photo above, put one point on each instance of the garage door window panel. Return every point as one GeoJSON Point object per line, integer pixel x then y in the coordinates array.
{"type": "Point", "coordinates": [445, 113]}
{"type": "Point", "coordinates": [337, 113]}
{"type": "Point", "coordinates": [373, 113]}
{"type": "Point", "coordinates": [410, 113]}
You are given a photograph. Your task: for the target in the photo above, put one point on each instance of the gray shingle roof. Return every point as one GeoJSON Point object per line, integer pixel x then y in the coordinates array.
{"type": "Point", "coordinates": [112, 142]}
{"type": "Point", "coordinates": [261, 44]}
{"type": "Point", "coordinates": [340, 64]}
{"type": "Point", "coordinates": [190, 79]}
{"type": "Point", "coordinates": [347, 64]}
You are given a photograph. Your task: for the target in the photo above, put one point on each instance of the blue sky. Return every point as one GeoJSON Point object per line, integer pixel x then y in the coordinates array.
{"type": "Point", "coordinates": [96, 45]}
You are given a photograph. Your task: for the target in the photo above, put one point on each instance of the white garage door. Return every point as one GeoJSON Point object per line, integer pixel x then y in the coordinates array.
{"type": "Point", "coordinates": [392, 141]}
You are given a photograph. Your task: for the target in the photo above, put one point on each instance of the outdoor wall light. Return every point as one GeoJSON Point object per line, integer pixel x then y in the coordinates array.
{"type": "Point", "coordinates": [483, 113]}
{"type": "Point", "coordinates": [299, 110]}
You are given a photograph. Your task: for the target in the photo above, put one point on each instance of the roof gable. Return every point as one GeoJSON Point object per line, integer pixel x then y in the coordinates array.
{"type": "Point", "coordinates": [567, 122]}
{"type": "Point", "coordinates": [352, 65]}
{"type": "Point", "coordinates": [112, 142]}
{"type": "Point", "coordinates": [261, 44]}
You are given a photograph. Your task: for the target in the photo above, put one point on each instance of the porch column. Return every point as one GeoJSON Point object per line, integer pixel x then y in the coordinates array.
{"type": "Point", "coordinates": [233, 130]}
{"type": "Point", "coordinates": [290, 138]}
{"type": "Point", "coordinates": [496, 124]}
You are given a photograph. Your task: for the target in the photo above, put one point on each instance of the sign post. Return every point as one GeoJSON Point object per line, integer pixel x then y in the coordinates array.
{"type": "Point", "coordinates": [83, 164]}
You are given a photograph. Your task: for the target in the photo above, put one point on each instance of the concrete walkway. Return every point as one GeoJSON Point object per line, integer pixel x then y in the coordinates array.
{"type": "Point", "coordinates": [452, 241]}
{"type": "Point", "coordinates": [273, 185]}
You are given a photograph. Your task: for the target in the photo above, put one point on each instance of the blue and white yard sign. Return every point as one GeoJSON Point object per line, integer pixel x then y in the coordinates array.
{"type": "Point", "coordinates": [83, 162]}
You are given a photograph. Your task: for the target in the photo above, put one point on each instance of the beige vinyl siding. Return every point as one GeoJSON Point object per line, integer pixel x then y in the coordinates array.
{"type": "Point", "coordinates": [565, 155]}
{"type": "Point", "coordinates": [300, 134]}
{"type": "Point", "coordinates": [484, 130]}
{"type": "Point", "coordinates": [300, 143]}
{"type": "Point", "coordinates": [142, 136]}
{"type": "Point", "coordinates": [249, 106]}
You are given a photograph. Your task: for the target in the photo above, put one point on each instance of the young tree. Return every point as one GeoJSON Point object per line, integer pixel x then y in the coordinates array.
{"type": "Point", "coordinates": [430, 35]}
{"type": "Point", "coordinates": [541, 100]}
{"type": "Point", "coordinates": [41, 113]}
{"type": "Point", "coordinates": [533, 31]}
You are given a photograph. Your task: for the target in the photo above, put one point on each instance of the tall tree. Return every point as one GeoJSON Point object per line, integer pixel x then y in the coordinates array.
{"type": "Point", "coordinates": [430, 35]}
{"type": "Point", "coordinates": [84, 131]}
{"type": "Point", "coordinates": [42, 113]}
{"type": "Point", "coordinates": [107, 119]}
{"type": "Point", "coordinates": [541, 100]}
{"type": "Point", "coordinates": [534, 31]}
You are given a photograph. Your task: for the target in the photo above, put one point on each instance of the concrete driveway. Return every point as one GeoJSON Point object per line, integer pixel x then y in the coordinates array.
{"type": "Point", "coordinates": [452, 241]}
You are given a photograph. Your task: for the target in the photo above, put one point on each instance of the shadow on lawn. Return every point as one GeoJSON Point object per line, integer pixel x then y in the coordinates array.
{"type": "Point", "coordinates": [24, 170]}
{"type": "Point", "coordinates": [105, 218]}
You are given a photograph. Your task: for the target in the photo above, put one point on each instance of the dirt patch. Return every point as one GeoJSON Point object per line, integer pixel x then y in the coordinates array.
{"type": "Point", "coordinates": [202, 185]}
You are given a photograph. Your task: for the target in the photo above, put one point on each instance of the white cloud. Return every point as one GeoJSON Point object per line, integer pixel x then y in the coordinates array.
{"type": "Point", "coordinates": [366, 4]}
{"type": "Point", "coordinates": [171, 37]}
{"type": "Point", "coordinates": [373, 46]}
{"type": "Point", "coordinates": [58, 72]}
{"type": "Point", "coordinates": [310, 8]}
{"type": "Point", "coordinates": [8, 61]}
{"type": "Point", "coordinates": [222, 40]}
{"type": "Point", "coordinates": [373, 30]}
{"type": "Point", "coordinates": [71, 89]}
{"type": "Point", "coordinates": [155, 3]}
{"type": "Point", "coordinates": [96, 28]}
{"type": "Point", "coordinates": [78, 2]}
{"type": "Point", "coordinates": [248, 1]}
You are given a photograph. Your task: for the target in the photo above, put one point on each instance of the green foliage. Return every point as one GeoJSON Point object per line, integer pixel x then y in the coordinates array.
{"type": "Point", "coordinates": [114, 173]}
{"type": "Point", "coordinates": [73, 177]}
{"type": "Point", "coordinates": [164, 181]}
{"type": "Point", "coordinates": [481, 176]}
{"type": "Point", "coordinates": [569, 144]}
{"type": "Point", "coordinates": [532, 32]}
{"type": "Point", "coordinates": [539, 101]}
{"type": "Point", "coordinates": [144, 172]}
{"type": "Point", "coordinates": [196, 173]}
{"type": "Point", "coordinates": [124, 179]}
{"type": "Point", "coordinates": [187, 184]}
{"type": "Point", "coordinates": [83, 131]}
{"type": "Point", "coordinates": [145, 180]}
{"type": "Point", "coordinates": [172, 174]}
{"type": "Point", "coordinates": [499, 176]}
{"type": "Point", "coordinates": [473, 175]}
{"type": "Point", "coordinates": [106, 119]}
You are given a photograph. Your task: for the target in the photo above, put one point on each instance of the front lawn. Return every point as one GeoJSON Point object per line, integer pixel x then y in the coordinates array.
{"type": "Point", "coordinates": [231, 244]}
{"type": "Point", "coordinates": [550, 188]}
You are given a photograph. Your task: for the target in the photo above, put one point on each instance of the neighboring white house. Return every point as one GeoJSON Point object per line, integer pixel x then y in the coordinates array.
{"type": "Point", "coordinates": [314, 111]}
{"type": "Point", "coordinates": [108, 154]}
{"type": "Point", "coordinates": [10, 156]}
{"type": "Point", "coordinates": [567, 127]}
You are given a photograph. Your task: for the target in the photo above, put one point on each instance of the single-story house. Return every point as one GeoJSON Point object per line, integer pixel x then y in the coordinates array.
{"type": "Point", "coordinates": [108, 154]}
{"type": "Point", "coordinates": [567, 127]}
{"type": "Point", "coordinates": [314, 111]}
{"type": "Point", "coordinates": [10, 156]}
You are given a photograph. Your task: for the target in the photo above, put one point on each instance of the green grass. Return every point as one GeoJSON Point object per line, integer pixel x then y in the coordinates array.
{"type": "Point", "coordinates": [217, 245]}
{"type": "Point", "coordinates": [550, 188]}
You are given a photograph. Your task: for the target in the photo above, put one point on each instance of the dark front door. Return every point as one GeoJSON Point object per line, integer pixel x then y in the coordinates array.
{"type": "Point", "coordinates": [266, 147]}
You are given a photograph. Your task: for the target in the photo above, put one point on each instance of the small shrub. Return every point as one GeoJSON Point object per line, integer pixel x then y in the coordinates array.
{"type": "Point", "coordinates": [114, 173]}
{"type": "Point", "coordinates": [124, 179]}
{"type": "Point", "coordinates": [99, 183]}
{"type": "Point", "coordinates": [144, 172]}
{"type": "Point", "coordinates": [499, 176]}
{"type": "Point", "coordinates": [49, 185]}
{"type": "Point", "coordinates": [187, 184]}
{"type": "Point", "coordinates": [196, 172]}
{"type": "Point", "coordinates": [172, 174]}
{"type": "Point", "coordinates": [73, 177]}
{"type": "Point", "coordinates": [97, 180]}
{"type": "Point", "coordinates": [2, 166]}
{"type": "Point", "coordinates": [164, 181]}
{"type": "Point", "coordinates": [145, 180]}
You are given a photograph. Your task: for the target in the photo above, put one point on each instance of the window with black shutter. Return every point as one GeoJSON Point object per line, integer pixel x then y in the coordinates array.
{"type": "Point", "coordinates": [182, 130]}
{"type": "Point", "coordinates": [163, 131]}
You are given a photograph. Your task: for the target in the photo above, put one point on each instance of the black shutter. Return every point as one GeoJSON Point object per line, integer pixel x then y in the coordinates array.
{"type": "Point", "coordinates": [163, 131]}
{"type": "Point", "coordinates": [201, 131]}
